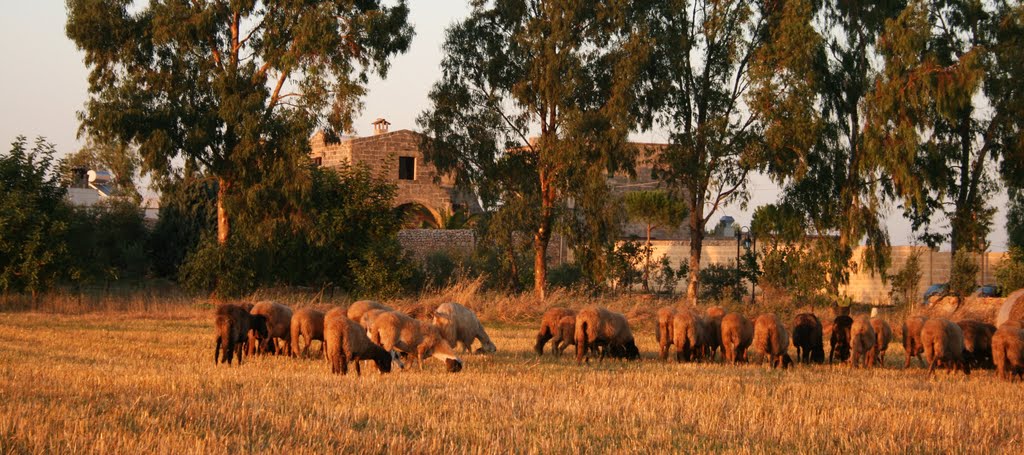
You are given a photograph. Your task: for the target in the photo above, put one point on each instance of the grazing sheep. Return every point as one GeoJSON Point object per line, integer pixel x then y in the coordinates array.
{"type": "Point", "coordinates": [912, 339]}
{"type": "Point", "coordinates": [713, 329]}
{"type": "Point", "coordinates": [737, 335]}
{"type": "Point", "coordinates": [368, 317]}
{"type": "Point", "coordinates": [357, 309]}
{"type": "Point", "coordinates": [307, 325]}
{"type": "Point", "coordinates": [862, 342]}
{"type": "Point", "coordinates": [977, 342]}
{"type": "Point", "coordinates": [279, 324]}
{"type": "Point", "coordinates": [599, 328]}
{"type": "Point", "coordinates": [550, 324]}
{"type": "Point", "coordinates": [840, 340]}
{"type": "Point", "coordinates": [883, 336]}
{"type": "Point", "coordinates": [666, 315]}
{"type": "Point", "coordinates": [689, 337]}
{"type": "Point", "coordinates": [459, 324]}
{"type": "Point", "coordinates": [772, 340]}
{"type": "Point", "coordinates": [345, 341]}
{"type": "Point", "coordinates": [807, 338]}
{"type": "Point", "coordinates": [396, 332]}
{"type": "Point", "coordinates": [1008, 351]}
{"type": "Point", "coordinates": [233, 325]}
{"type": "Point", "coordinates": [944, 345]}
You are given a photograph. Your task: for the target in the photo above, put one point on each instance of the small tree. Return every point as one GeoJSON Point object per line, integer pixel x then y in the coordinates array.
{"type": "Point", "coordinates": [905, 282]}
{"type": "Point", "coordinates": [1010, 273]}
{"type": "Point", "coordinates": [655, 209]}
{"type": "Point", "coordinates": [963, 276]}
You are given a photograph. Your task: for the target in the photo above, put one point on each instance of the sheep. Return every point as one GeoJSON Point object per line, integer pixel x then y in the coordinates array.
{"type": "Point", "coordinates": [807, 338]}
{"type": "Point", "coordinates": [1008, 351]}
{"type": "Point", "coordinates": [943, 343]}
{"type": "Point", "coordinates": [883, 336]}
{"type": "Point", "coordinates": [345, 341]}
{"type": "Point", "coordinates": [307, 325]}
{"type": "Point", "coordinates": [357, 309]}
{"type": "Point", "coordinates": [597, 327]}
{"type": "Point", "coordinates": [459, 324]}
{"type": "Point", "coordinates": [862, 342]}
{"type": "Point", "coordinates": [912, 339]}
{"type": "Point", "coordinates": [713, 329]}
{"type": "Point", "coordinates": [550, 329]}
{"type": "Point", "coordinates": [772, 340]}
{"type": "Point", "coordinates": [840, 339]}
{"type": "Point", "coordinates": [233, 325]}
{"type": "Point", "coordinates": [664, 333]}
{"type": "Point", "coordinates": [737, 335]}
{"type": "Point", "coordinates": [279, 324]}
{"type": "Point", "coordinates": [397, 332]}
{"type": "Point", "coordinates": [366, 320]}
{"type": "Point", "coordinates": [689, 337]}
{"type": "Point", "coordinates": [977, 342]}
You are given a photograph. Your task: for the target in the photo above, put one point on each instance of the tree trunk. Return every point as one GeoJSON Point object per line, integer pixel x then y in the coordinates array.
{"type": "Point", "coordinates": [223, 224]}
{"type": "Point", "coordinates": [543, 237]}
{"type": "Point", "coordinates": [696, 245]}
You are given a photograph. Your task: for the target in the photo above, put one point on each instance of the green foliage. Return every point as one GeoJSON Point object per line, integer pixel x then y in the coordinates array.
{"type": "Point", "coordinates": [905, 282]}
{"type": "Point", "coordinates": [33, 218]}
{"type": "Point", "coordinates": [719, 281]}
{"type": "Point", "coordinates": [963, 275]}
{"type": "Point", "coordinates": [1015, 219]}
{"type": "Point", "coordinates": [225, 270]}
{"type": "Point", "coordinates": [107, 242]}
{"type": "Point", "coordinates": [795, 270]}
{"type": "Point", "coordinates": [566, 275]}
{"type": "Point", "coordinates": [655, 208]}
{"type": "Point", "coordinates": [119, 159]}
{"type": "Point", "coordinates": [1010, 273]}
{"type": "Point", "coordinates": [384, 272]}
{"type": "Point", "coordinates": [187, 210]}
{"type": "Point", "coordinates": [666, 277]}
{"type": "Point", "coordinates": [624, 264]}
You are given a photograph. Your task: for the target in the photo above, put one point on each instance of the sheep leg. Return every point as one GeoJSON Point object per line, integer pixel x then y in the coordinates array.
{"type": "Point", "coordinates": [542, 338]}
{"type": "Point", "coordinates": [216, 352]}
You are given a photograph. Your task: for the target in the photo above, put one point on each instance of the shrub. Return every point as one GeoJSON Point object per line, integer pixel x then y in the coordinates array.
{"type": "Point", "coordinates": [963, 275]}
{"type": "Point", "coordinates": [566, 275]}
{"type": "Point", "coordinates": [1010, 273]}
{"type": "Point", "coordinates": [905, 282]}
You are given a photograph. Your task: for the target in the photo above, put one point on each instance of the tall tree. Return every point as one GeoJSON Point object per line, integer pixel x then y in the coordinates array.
{"type": "Point", "coordinates": [233, 87]}
{"type": "Point", "coordinates": [952, 96]}
{"type": "Point", "coordinates": [561, 69]}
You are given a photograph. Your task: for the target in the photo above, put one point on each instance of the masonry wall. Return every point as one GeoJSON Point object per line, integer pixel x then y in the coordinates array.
{"type": "Point", "coordinates": [421, 242]}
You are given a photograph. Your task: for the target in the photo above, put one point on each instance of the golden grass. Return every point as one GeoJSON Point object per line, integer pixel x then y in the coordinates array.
{"type": "Point", "coordinates": [127, 382]}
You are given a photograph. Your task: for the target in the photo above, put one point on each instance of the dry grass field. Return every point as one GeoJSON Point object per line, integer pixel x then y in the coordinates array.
{"type": "Point", "coordinates": [145, 382]}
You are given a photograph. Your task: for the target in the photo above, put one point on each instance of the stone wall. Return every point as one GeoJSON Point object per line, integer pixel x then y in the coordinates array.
{"type": "Point", "coordinates": [421, 242]}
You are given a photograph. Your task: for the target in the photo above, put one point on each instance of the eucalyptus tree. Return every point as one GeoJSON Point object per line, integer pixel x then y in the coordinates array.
{"type": "Point", "coordinates": [233, 88]}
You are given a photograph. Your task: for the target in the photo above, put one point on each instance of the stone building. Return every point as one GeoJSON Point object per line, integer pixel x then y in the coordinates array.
{"type": "Point", "coordinates": [398, 156]}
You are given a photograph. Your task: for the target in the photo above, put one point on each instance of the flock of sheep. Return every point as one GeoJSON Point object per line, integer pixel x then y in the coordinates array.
{"type": "Point", "coordinates": [369, 330]}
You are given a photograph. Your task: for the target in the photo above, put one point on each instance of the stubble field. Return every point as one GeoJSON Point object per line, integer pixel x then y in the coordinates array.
{"type": "Point", "coordinates": [129, 382]}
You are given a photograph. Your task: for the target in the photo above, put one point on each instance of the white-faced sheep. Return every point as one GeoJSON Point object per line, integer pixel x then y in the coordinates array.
{"type": "Point", "coordinates": [666, 316]}
{"type": "Point", "coordinates": [345, 341]}
{"type": "Point", "coordinates": [233, 325]}
{"type": "Point", "coordinates": [460, 325]}
{"type": "Point", "coordinates": [912, 339]}
{"type": "Point", "coordinates": [1008, 351]}
{"type": "Point", "coordinates": [862, 341]}
{"type": "Point", "coordinates": [550, 330]}
{"type": "Point", "coordinates": [737, 335]}
{"type": "Point", "coordinates": [357, 309]}
{"type": "Point", "coordinates": [279, 325]}
{"type": "Point", "coordinates": [943, 343]}
{"type": "Point", "coordinates": [772, 340]}
{"type": "Point", "coordinates": [599, 328]}
{"type": "Point", "coordinates": [883, 336]}
{"type": "Point", "coordinates": [396, 332]}
{"type": "Point", "coordinates": [307, 326]}
{"type": "Point", "coordinates": [689, 335]}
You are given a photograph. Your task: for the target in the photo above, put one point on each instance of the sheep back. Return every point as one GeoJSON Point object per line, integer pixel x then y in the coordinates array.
{"type": "Point", "coordinates": [737, 335]}
{"type": "Point", "coordinates": [550, 325]}
{"type": "Point", "coordinates": [943, 343]}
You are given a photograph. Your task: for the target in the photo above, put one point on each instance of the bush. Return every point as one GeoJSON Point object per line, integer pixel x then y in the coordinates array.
{"type": "Point", "coordinates": [666, 278]}
{"type": "Point", "coordinates": [905, 282]}
{"type": "Point", "coordinates": [188, 209]}
{"type": "Point", "coordinates": [963, 275]}
{"type": "Point", "coordinates": [228, 271]}
{"type": "Point", "coordinates": [719, 281]}
{"type": "Point", "coordinates": [107, 242]}
{"type": "Point", "coordinates": [566, 275]}
{"type": "Point", "coordinates": [1010, 273]}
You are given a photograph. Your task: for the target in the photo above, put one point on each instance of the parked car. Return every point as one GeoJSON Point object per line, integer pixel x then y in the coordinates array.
{"type": "Point", "coordinates": [937, 289]}
{"type": "Point", "coordinates": [989, 290]}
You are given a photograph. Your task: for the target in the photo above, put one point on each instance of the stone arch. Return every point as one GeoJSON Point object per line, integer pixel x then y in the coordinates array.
{"type": "Point", "coordinates": [417, 214]}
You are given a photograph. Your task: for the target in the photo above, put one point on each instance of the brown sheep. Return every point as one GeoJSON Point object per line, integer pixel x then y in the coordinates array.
{"type": "Point", "coordinates": [345, 341]}
{"type": "Point", "coordinates": [944, 345]}
{"type": "Point", "coordinates": [397, 332]}
{"type": "Point", "coordinates": [689, 335]}
{"type": "Point", "coordinates": [599, 328]}
{"type": "Point", "coordinates": [233, 325]}
{"type": "Point", "coordinates": [840, 340]}
{"type": "Point", "coordinates": [977, 342]}
{"type": "Point", "coordinates": [807, 338]}
{"type": "Point", "coordinates": [357, 309]}
{"type": "Point", "coordinates": [550, 328]}
{"type": "Point", "coordinates": [459, 324]}
{"type": "Point", "coordinates": [368, 317]}
{"type": "Point", "coordinates": [279, 325]}
{"type": "Point", "coordinates": [862, 342]}
{"type": "Point", "coordinates": [1008, 351]}
{"type": "Point", "coordinates": [772, 340]}
{"type": "Point", "coordinates": [737, 335]}
{"type": "Point", "coordinates": [912, 339]}
{"type": "Point", "coordinates": [307, 326]}
{"type": "Point", "coordinates": [713, 329]}
{"type": "Point", "coordinates": [883, 336]}
{"type": "Point", "coordinates": [666, 315]}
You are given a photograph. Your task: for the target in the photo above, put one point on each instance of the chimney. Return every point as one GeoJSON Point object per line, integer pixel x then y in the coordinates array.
{"type": "Point", "coordinates": [380, 126]}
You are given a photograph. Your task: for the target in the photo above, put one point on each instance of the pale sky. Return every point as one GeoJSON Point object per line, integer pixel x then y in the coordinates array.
{"type": "Point", "coordinates": [45, 82]}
